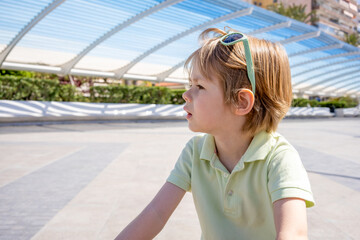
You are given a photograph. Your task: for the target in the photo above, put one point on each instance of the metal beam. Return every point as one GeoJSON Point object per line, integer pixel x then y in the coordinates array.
{"type": "Point", "coordinates": [326, 58]}
{"type": "Point", "coordinates": [121, 71]}
{"type": "Point", "coordinates": [66, 67]}
{"type": "Point", "coordinates": [328, 47]}
{"type": "Point", "coordinates": [328, 79]}
{"type": "Point", "coordinates": [270, 28]}
{"type": "Point", "coordinates": [165, 74]}
{"type": "Point", "coordinates": [27, 28]}
{"type": "Point", "coordinates": [326, 73]}
{"type": "Point", "coordinates": [300, 37]}
{"type": "Point", "coordinates": [325, 66]}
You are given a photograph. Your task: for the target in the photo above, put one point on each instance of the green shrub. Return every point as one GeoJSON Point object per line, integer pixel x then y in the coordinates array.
{"type": "Point", "coordinates": [67, 93]}
{"type": "Point", "coordinates": [299, 102]}
{"type": "Point", "coordinates": [176, 96]}
{"type": "Point", "coordinates": [22, 88]}
{"type": "Point", "coordinates": [4, 72]}
{"type": "Point", "coordinates": [333, 104]}
{"type": "Point", "coordinates": [350, 102]}
{"type": "Point", "coordinates": [342, 102]}
{"type": "Point", "coordinates": [135, 94]}
{"type": "Point", "coordinates": [313, 103]}
{"type": "Point", "coordinates": [130, 94]}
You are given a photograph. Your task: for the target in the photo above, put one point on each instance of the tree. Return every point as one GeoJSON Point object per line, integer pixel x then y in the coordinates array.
{"type": "Point", "coordinates": [296, 12]}
{"type": "Point", "coordinates": [353, 39]}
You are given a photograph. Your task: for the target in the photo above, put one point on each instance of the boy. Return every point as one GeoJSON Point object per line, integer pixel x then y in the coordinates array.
{"type": "Point", "coordinates": [247, 181]}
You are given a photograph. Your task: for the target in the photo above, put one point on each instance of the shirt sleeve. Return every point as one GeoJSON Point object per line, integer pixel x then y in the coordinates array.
{"type": "Point", "coordinates": [181, 174]}
{"type": "Point", "coordinates": [287, 177]}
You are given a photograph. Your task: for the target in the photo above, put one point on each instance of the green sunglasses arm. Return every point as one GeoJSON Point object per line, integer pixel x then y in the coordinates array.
{"type": "Point", "coordinates": [250, 65]}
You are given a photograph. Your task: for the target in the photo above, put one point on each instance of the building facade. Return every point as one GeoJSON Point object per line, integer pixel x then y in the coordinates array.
{"type": "Point", "coordinates": [335, 17]}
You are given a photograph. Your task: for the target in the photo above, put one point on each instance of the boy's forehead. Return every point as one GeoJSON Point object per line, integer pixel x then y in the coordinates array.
{"type": "Point", "coordinates": [196, 76]}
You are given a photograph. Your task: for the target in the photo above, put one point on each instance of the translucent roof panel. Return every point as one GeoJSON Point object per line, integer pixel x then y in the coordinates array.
{"type": "Point", "coordinates": [72, 26]}
{"type": "Point", "coordinates": [251, 22]}
{"type": "Point", "coordinates": [318, 74]}
{"type": "Point", "coordinates": [307, 44]}
{"type": "Point", "coordinates": [151, 39]}
{"type": "Point", "coordinates": [16, 17]}
{"type": "Point", "coordinates": [168, 56]}
{"type": "Point", "coordinates": [152, 31]}
{"type": "Point", "coordinates": [316, 55]}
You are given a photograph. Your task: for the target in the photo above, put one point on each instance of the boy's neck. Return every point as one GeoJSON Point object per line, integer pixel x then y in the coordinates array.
{"type": "Point", "coordinates": [231, 147]}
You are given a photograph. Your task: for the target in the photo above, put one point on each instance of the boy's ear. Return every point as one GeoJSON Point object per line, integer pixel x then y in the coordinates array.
{"type": "Point", "coordinates": [245, 101]}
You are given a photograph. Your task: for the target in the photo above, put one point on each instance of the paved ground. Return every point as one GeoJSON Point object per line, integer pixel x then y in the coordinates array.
{"type": "Point", "coordinates": [88, 180]}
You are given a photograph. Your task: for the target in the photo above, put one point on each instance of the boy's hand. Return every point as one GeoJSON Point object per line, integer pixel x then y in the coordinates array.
{"type": "Point", "coordinates": [290, 219]}
{"type": "Point", "coordinates": [153, 218]}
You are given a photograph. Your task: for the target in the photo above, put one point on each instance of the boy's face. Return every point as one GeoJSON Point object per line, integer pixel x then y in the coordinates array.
{"type": "Point", "coordinates": [205, 105]}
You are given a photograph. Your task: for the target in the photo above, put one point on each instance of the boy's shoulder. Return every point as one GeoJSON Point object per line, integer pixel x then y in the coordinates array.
{"type": "Point", "coordinates": [281, 149]}
{"type": "Point", "coordinates": [280, 142]}
{"type": "Point", "coordinates": [265, 145]}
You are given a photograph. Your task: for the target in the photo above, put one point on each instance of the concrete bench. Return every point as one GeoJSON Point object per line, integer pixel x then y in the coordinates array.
{"type": "Point", "coordinates": [347, 112]}
{"type": "Point", "coordinates": [309, 112]}
{"type": "Point", "coordinates": [17, 111]}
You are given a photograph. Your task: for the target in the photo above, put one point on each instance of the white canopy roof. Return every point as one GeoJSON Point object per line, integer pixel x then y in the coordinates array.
{"type": "Point", "coordinates": [150, 39]}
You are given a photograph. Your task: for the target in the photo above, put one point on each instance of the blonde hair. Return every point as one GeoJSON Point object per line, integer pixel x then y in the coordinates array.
{"type": "Point", "coordinates": [228, 65]}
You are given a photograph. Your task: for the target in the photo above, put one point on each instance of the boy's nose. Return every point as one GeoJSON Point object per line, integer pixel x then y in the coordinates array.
{"type": "Point", "coordinates": [186, 96]}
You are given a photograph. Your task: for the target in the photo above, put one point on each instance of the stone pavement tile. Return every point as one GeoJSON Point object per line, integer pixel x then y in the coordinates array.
{"type": "Point", "coordinates": [334, 137]}
{"type": "Point", "coordinates": [31, 157]}
{"type": "Point", "coordinates": [341, 170]}
{"type": "Point", "coordinates": [337, 211]}
{"type": "Point", "coordinates": [77, 221]}
{"type": "Point", "coordinates": [111, 199]}
{"type": "Point", "coordinates": [35, 198]}
{"type": "Point", "coordinates": [183, 224]}
{"type": "Point", "coordinates": [319, 228]}
{"type": "Point", "coordinates": [126, 186]}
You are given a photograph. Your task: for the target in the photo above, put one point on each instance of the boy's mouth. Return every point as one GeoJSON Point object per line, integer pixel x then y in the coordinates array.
{"type": "Point", "coordinates": [189, 115]}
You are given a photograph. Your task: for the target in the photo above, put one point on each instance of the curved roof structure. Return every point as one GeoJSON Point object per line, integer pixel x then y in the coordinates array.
{"type": "Point", "coordinates": [150, 39]}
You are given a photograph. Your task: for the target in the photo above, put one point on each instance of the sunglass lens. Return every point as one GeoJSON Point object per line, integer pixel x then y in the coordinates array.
{"type": "Point", "coordinates": [232, 37]}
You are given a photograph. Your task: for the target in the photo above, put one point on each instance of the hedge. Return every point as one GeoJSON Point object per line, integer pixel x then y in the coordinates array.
{"type": "Point", "coordinates": [136, 94]}
{"type": "Point", "coordinates": [23, 88]}
{"type": "Point", "coordinates": [341, 102]}
{"type": "Point", "coordinates": [20, 88]}
{"type": "Point", "coordinates": [129, 94]}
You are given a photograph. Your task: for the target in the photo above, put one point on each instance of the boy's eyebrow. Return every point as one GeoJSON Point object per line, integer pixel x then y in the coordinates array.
{"type": "Point", "coordinates": [193, 80]}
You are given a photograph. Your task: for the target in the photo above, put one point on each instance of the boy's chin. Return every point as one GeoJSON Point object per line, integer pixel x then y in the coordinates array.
{"type": "Point", "coordinates": [194, 128]}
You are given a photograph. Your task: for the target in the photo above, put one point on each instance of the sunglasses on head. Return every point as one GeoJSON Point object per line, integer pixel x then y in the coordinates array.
{"type": "Point", "coordinates": [231, 39]}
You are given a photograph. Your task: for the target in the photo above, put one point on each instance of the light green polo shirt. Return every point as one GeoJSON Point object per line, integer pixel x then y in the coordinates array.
{"type": "Point", "coordinates": [239, 205]}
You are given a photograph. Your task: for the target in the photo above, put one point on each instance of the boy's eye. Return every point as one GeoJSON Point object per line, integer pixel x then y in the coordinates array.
{"type": "Point", "coordinates": [197, 85]}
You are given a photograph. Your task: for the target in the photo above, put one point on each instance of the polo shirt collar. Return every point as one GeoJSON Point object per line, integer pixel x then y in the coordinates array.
{"type": "Point", "coordinates": [260, 146]}
{"type": "Point", "coordinates": [208, 150]}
